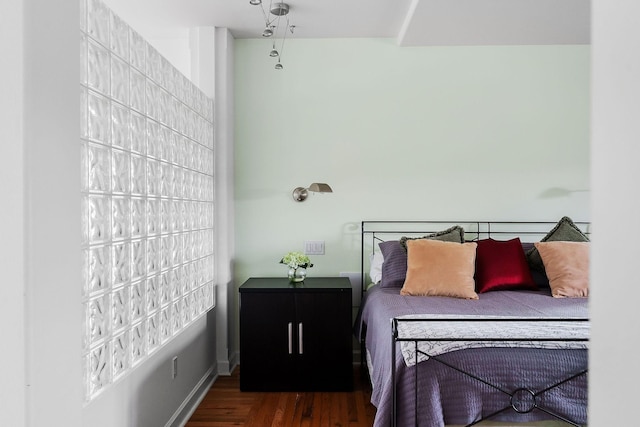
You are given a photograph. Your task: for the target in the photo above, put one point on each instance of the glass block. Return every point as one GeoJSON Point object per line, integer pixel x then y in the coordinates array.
{"type": "Point", "coordinates": [165, 252]}
{"type": "Point", "coordinates": [165, 324]}
{"type": "Point", "coordinates": [84, 166]}
{"type": "Point", "coordinates": [154, 136]}
{"type": "Point", "coordinates": [152, 100]}
{"type": "Point", "coordinates": [178, 277]}
{"type": "Point", "coordinates": [176, 182]}
{"type": "Point", "coordinates": [165, 179]}
{"type": "Point", "coordinates": [165, 212]}
{"type": "Point", "coordinates": [98, 72]}
{"type": "Point", "coordinates": [98, 21]}
{"type": "Point", "coordinates": [153, 216]}
{"type": "Point", "coordinates": [138, 343]}
{"type": "Point", "coordinates": [99, 117]}
{"type": "Point", "coordinates": [99, 167]}
{"type": "Point", "coordinates": [119, 37]}
{"type": "Point", "coordinates": [202, 217]}
{"type": "Point", "coordinates": [178, 154]}
{"type": "Point", "coordinates": [164, 107]}
{"type": "Point", "coordinates": [120, 308]}
{"type": "Point", "coordinates": [195, 219]}
{"type": "Point", "coordinates": [138, 133]}
{"type": "Point", "coordinates": [197, 158]}
{"type": "Point", "coordinates": [153, 332]}
{"type": "Point", "coordinates": [99, 218]}
{"type": "Point", "coordinates": [154, 63]}
{"type": "Point", "coordinates": [174, 216]}
{"type": "Point", "coordinates": [84, 114]}
{"type": "Point", "coordinates": [187, 183]}
{"type": "Point", "coordinates": [202, 272]}
{"type": "Point", "coordinates": [195, 186]}
{"type": "Point", "coordinates": [138, 259]}
{"type": "Point", "coordinates": [153, 293]}
{"type": "Point", "coordinates": [197, 243]}
{"type": "Point", "coordinates": [186, 310]}
{"type": "Point", "coordinates": [137, 302]}
{"type": "Point", "coordinates": [165, 288]}
{"type": "Point", "coordinates": [137, 90]}
{"type": "Point", "coordinates": [97, 314]}
{"type": "Point", "coordinates": [167, 138]}
{"type": "Point", "coordinates": [194, 275]}
{"type": "Point", "coordinates": [210, 295]}
{"type": "Point", "coordinates": [84, 66]}
{"type": "Point", "coordinates": [176, 317]}
{"type": "Point", "coordinates": [99, 269]}
{"type": "Point", "coordinates": [193, 305]}
{"type": "Point", "coordinates": [121, 254]}
{"type": "Point", "coordinates": [120, 355]}
{"type": "Point", "coordinates": [121, 214]}
{"type": "Point", "coordinates": [153, 177]}
{"type": "Point", "coordinates": [184, 285]}
{"type": "Point", "coordinates": [188, 155]}
{"type": "Point", "coordinates": [138, 50]}
{"type": "Point", "coordinates": [138, 216]}
{"type": "Point", "coordinates": [185, 217]}
{"type": "Point", "coordinates": [153, 256]}
{"type": "Point", "coordinates": [120, 168]}
{"type": "Point", "coordinates": [208, 242]}
{"type": "Point", "coordinates": [120, 80]}
{"type": "Point", "coordinates": [174, 111]}
{"type": "Point", "coordinates": [98, 369]}
{"type": "Point", "coordinates": [138, 175]}
{"type": "Point", "coordinates": [120, 124]}
{"type": "Point", "coordinates": [187, 247]}
{"type": "Point", "coordinates": [84, 220]}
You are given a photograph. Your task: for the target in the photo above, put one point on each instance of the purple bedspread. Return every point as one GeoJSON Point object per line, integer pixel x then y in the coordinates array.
{"type": "Point", "coordinates": [448, 397]}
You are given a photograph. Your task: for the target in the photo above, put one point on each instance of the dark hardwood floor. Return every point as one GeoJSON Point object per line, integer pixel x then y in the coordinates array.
{"type": "Point", "coordinates": [225, 405]}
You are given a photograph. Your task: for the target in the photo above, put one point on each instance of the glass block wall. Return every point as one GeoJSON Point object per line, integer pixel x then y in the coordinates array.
{"type": "Point", "coordinates": [147, 198]}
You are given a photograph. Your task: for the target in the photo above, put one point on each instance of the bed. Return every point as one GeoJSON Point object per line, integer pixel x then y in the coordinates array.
{"type": "Point", "coordinates": [511, 348]}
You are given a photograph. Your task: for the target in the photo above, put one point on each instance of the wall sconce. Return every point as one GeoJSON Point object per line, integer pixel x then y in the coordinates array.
{"type": "Point", "coordinates": [300, 193]}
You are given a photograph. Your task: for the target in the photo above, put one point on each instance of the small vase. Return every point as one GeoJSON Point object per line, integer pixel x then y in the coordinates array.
{"type": "Point", "coordinates": [297, 275]}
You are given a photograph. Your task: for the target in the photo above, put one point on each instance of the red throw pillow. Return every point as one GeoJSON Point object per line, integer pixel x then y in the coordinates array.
{"type": "Point", "coordinates": [502, 265]}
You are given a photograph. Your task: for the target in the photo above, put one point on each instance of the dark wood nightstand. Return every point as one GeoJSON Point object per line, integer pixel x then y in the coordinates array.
{"type": "Point", "coordinates": [296, 337]}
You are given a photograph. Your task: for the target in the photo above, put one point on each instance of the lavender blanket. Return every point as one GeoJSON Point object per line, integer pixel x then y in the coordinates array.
{"type": "Point", "coordinates": [447, 396]}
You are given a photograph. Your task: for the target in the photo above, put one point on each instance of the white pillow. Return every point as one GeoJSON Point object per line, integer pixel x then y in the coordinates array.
{"type": "Point", "coordinates": [375, 272]}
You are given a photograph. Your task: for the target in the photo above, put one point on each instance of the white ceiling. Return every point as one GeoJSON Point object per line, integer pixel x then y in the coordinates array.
{"type": "Point", "coordinates": [411, 22]}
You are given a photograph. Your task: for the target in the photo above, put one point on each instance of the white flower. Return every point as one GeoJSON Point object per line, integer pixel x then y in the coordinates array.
{"type": "Point", "coordinates": [296, 259]}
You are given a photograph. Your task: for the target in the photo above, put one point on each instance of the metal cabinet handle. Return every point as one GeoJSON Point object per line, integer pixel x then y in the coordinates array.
{"type": "Point", "coordinates": [290, 330]}
{"type": "Point", "coordinates": [300, 348]}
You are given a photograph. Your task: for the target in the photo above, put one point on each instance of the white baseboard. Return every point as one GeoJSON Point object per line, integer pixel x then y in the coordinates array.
{"type": "Point", "coordinates": [192, 401]}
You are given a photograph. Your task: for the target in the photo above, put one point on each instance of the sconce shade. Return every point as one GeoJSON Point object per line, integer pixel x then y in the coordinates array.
{"type": "Point", "coordinates": [300, 194]}
{"type": "Point", "coordinates": [320, 187]}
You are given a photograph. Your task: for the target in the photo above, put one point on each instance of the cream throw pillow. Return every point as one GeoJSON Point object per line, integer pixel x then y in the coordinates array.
{"type": "Point", "coordinates": [567, 267]}
{"type": "Point", "coordinates": [437, 268]}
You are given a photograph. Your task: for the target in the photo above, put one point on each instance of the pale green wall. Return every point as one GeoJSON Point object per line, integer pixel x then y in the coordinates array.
{"type": "Point", "coordinates": [401, 133]}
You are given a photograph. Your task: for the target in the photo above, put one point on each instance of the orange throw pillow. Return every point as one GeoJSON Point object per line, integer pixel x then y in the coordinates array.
{"type": "Point", "coordinates": [567, 267]}
{"type": "Point", "coordinates": [437, 268]}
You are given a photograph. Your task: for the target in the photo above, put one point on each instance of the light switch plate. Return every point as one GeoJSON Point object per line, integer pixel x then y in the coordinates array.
{"type": "Point", "coordinates": [314, 247]}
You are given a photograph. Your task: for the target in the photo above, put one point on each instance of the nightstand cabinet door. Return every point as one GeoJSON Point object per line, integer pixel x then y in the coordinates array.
{"type": "Point", "coordinates": [267, 335]}
{"type": "Point", "coordinates": [325, 362]}
{"type": "Point", "coordinates": [295, 338]}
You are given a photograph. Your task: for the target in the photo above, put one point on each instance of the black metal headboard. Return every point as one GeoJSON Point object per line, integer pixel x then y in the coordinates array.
{"type": "Point", "coordinates": [374, 232]}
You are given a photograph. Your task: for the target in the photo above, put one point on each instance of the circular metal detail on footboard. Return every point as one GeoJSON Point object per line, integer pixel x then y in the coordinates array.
{"type": "Point", "coordinates": [523, 401]}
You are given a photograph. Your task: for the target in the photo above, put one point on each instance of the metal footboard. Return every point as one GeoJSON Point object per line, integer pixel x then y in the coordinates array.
{"type": "Point", "coordinates": [522, 400]}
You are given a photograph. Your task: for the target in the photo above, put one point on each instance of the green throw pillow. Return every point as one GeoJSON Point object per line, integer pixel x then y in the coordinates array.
{"type": "Point", "coordinates": [564, 231]}
{"type": "Point", "coordinates": [453, 234]}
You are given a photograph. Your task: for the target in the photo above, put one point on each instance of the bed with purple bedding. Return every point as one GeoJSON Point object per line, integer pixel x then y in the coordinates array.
{"type": "Point", "coordinates": [509, 354]}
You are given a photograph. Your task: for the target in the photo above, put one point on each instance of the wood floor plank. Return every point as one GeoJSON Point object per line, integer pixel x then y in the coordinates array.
{"type": "Point", "coordinates": [225, 405]}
